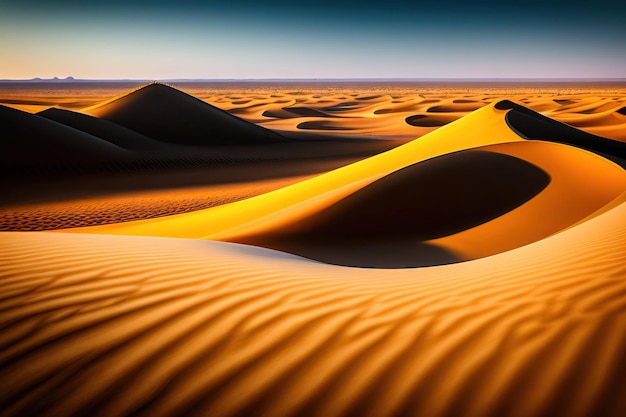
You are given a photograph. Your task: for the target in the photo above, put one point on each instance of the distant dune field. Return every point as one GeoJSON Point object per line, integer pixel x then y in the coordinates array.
{"type": "Point", "coordinates": [283, 252]}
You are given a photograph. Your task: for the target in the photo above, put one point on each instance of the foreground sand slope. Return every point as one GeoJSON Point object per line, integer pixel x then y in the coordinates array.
{"type": "Point", "coordinates": [115, 325]}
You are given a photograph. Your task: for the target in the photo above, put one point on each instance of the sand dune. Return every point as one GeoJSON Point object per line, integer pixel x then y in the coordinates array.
{"type": "Point", "coordinates": [461, 206]}
{"type": "Point", "coordinates": [63, 151]}
{"type": "Point", "coordinates": [169, 115]}
{"type": "Point", "coordinates": [387, 223]}
{"type": "Point", "coordinates": [31, 139]}
{"type": "Point", "coordinates": [532, 125]}
{"type": "Point", "coordinates": [102, 129]}
{"type": "Point", "coordinates": [279, 106]}
{"type": "Point", "coordinates": [423, 120]}
{"type": "Point", "coordinates": [112, 325]}
{"type": "Point", "coordinates": [413, 114]}
{"type": "Point", "coordinates": [483, 127]}
{"type": "Point", "coordinates": [404, 209]}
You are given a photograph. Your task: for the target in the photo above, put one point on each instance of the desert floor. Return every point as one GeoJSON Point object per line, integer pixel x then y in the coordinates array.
{"type": "Point", "coordinates": [361, 250]}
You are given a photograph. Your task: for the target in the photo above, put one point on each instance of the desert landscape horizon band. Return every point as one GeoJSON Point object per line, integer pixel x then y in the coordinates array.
{"type": "Point", "coordinates": [307, 249]}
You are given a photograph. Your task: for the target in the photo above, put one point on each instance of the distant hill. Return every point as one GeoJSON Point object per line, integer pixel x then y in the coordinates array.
{"type": "Point", "coordinates": [169, 115]}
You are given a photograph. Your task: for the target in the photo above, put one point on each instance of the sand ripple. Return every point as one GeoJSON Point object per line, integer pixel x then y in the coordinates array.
{"type": "Point", "coordinates": [109, 325]}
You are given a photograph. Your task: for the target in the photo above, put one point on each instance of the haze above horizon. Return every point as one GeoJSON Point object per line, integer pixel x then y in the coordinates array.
{"type": "Point", "coordinates": [166, 40]}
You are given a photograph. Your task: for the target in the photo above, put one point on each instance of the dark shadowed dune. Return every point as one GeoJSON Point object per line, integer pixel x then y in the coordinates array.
{"type": "Point", "coordinates": [456, 107]}
{"type": "Point", "coordinates": [319, 125]}
{"type": "Point", "coordinates": [622, 111]}
{"type": "Point", "coordinates": [423, 120]}
{"type": "Point", "coordinates": [385, 224]}
{"type": "Point", "coordinates": [564, 101]}
{"type": "Point", "coordinates": [31, 139]}
{"type": "Point", "coordinates": [294, 112]}
{"type": "Point", "coordinates": [344, 106]}
{"type": "Point", "coordinates": [532, 125]}
{"type": "Point", "coordinates": [103, 129]}
{"type": "Point", "coordinates": [169, 115]}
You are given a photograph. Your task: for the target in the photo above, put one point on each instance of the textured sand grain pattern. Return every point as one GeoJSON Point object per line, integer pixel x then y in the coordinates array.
{"type": "Point", "coordinates": [114, 325]}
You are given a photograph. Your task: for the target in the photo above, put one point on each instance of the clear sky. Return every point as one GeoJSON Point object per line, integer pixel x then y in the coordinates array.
{"type": "Point", "coordinates": [139, 39]}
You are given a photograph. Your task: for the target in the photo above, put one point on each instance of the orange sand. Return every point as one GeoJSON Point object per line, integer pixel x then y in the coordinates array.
{"type": "Point", "coordinates": [111, 325]}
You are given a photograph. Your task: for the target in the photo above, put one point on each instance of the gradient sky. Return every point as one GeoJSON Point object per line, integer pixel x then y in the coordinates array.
{"type": "Point", "coordinates": [318, 39]}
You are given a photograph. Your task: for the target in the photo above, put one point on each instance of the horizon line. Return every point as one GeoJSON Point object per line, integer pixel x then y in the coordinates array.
{"type": "Point", "coordinates": [363, 79]}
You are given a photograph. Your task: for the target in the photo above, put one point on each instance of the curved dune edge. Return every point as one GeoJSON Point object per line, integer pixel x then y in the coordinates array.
{"type": "Point", "coordinates": [375, 227]}
{"type": "Point", "coordinates": [387, 223]}
{"type": "Point", "coordinates": [112, 325]}
{"type": "Point", "coordinates": [169, 115]}
{"type": "Point", "coordinates": [484, 127]}
{"type": "Point", "coordinates": [581, 183]}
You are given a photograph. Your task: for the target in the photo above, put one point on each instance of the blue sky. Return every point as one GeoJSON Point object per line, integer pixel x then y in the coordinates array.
{"type": "Point", "coordinates": [322, 39]}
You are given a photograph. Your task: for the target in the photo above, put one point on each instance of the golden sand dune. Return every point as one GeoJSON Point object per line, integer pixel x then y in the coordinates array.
{"type": "Point", "coordinates": [596, 115]}
{"type": "Point", "coordinates": [483, 127]}
{"type": "Point", "coordinates": [457, 207]}
{"type": "Point", "coordinates": [113, 325]}
{"type": "Point", "coordinates": [169, 115]}
{"type": "Point", "coordinates": [421, 203]}
{"type": "Point", "coordinates": [362, 113]}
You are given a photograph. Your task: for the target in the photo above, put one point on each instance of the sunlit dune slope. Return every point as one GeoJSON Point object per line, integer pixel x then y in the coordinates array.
{"type": "Point", "coordinates": [483, 127]}
{"type": "Point", "coordinates": [456, 207]}
{"type": "Point", "coordinates": [31, 139]}
{"type": "Point", "coordinates": [432, 201]}
{"type": "Point", "coordinates": [386, 223]}
{"type": "Point", "coordinates": [169, 115]}
{"type": "Point", "coordinates": [117, 325]}
{"type": "Point", "coordinates": [102, 129]}
{"type": "Point", "coordinates": [581, 184]}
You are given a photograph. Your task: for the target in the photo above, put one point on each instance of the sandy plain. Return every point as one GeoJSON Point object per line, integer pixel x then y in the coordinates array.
{"type": "Point", "coordinates": [454, 251]}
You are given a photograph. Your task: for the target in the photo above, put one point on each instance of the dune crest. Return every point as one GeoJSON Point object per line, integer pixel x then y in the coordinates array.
{"type": "Point", "coordinates": [169, 115]}
{"type": "Point", "coordinates": [532, 125]}
{"type": "Point", "coordinates": [386, 223]}
{"type": "Point", "coordinates": [395, 226]}
{"type": "Point", "coordinates": [483, 127]}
